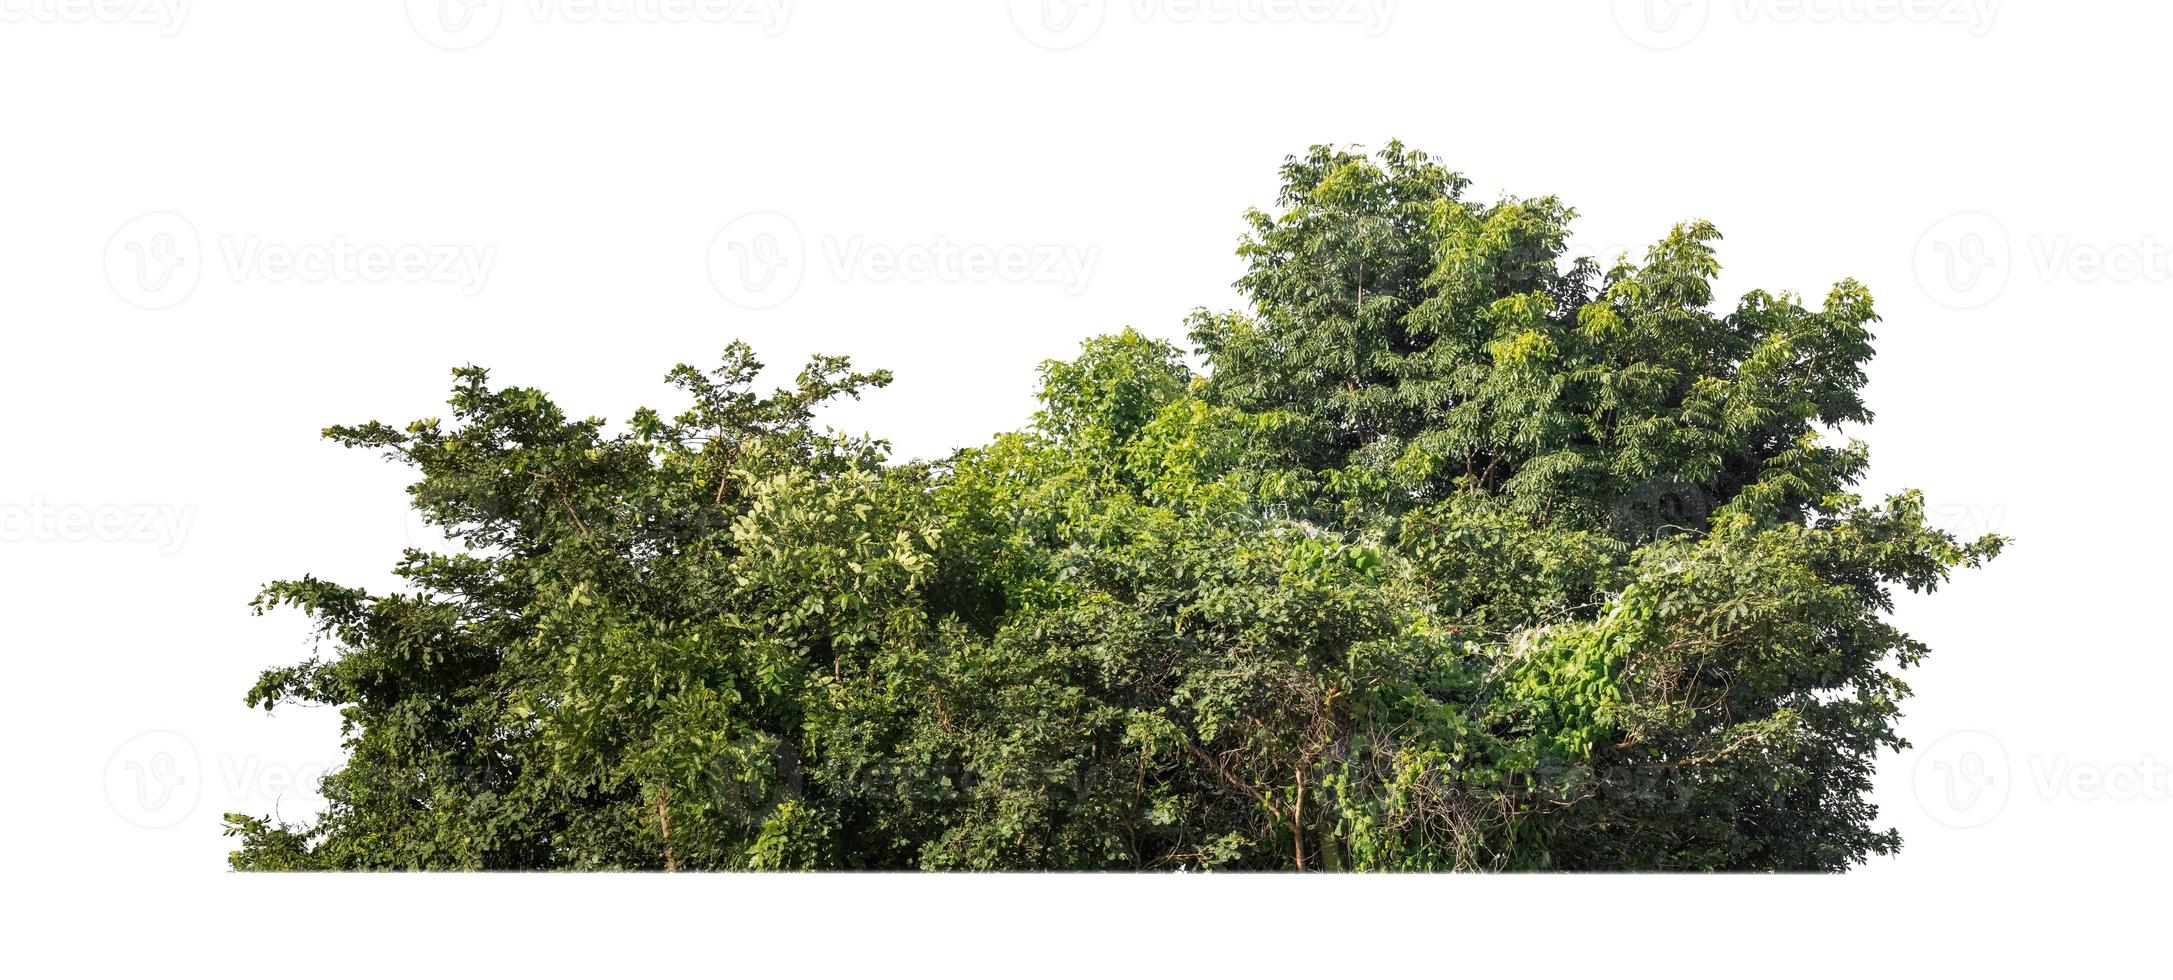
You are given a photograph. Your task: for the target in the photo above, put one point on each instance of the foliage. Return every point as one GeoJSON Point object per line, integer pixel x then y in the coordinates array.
{"type": "Point", "coordinates": [1463, 554]}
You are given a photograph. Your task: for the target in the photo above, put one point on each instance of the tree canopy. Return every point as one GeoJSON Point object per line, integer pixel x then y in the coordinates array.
{"type": "Point", "coordinates": [1460, 553]}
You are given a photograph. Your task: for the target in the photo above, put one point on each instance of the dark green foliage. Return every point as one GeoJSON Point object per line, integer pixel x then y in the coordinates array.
{"type": "Point", "coordinates": [1462, 555]}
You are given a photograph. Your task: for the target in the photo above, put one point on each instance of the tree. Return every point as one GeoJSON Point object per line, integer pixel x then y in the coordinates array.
{"type": "Point", "coordinates": [1461, 554]}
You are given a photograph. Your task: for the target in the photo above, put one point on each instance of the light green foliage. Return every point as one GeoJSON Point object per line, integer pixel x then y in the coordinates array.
{"type": "Point", "coordinates": [1461, 554]}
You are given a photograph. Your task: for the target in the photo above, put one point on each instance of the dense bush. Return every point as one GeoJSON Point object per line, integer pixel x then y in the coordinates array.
{"type": "Point", "coordinates": [1460, 555]}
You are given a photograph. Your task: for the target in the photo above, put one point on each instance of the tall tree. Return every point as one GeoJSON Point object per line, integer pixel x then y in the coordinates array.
{"type": "Point", "coordinates": [1461, 554]}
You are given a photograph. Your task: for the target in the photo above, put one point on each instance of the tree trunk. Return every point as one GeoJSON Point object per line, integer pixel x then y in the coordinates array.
{"type": "Point", "coordinates": [664, 824]}
{"type": "Point", "coordinates": [1297, 824]}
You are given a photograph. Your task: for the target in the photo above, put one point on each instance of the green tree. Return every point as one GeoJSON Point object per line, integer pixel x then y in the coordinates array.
{"type": "Point", "coordinates": [1461, 554]}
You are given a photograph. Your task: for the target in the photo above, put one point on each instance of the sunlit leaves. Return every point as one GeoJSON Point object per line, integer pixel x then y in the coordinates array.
{"type": "Point", "coordinates": [1460, 553]}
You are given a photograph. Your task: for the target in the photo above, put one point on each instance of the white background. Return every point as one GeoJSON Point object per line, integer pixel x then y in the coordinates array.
{"type": "Point", "coordinates": [1996, 173]}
